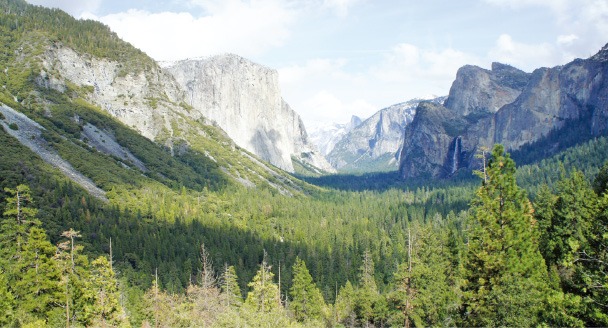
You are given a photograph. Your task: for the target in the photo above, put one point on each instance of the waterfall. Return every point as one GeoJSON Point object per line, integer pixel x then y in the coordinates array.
{"type": "Point", "coordinates": [456, 154]}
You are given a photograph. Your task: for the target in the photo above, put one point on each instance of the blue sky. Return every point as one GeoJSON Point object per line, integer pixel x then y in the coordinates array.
{"type": "Point", "coordinates": [337, 58]}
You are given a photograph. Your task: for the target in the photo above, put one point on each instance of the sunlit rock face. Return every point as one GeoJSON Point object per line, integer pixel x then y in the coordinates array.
{"type": "Point", "coordinates": [244, 99]}
{"type": "Point", "coordinates": [505, 105]}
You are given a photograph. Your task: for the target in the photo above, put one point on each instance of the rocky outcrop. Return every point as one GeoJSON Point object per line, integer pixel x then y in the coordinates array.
{"type": "Point", "coordinates": [430, 141]}
{"type": "Point", "coordinates": [479, 90]}
{"type": "Point", "coordinates": [374, 145]}
{"type": "Point", "coordinates": [125, 94]}
{"type": "Point", "coordinates": [506, 106]}
{"type": "Point", "coordinates": [244, 99]}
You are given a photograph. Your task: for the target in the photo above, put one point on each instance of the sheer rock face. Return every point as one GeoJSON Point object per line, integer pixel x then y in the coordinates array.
{"type": "Point", "coordinates": [478, 90]}
{"type": "Point", "coordinates": [244, 99]}
{"type": "Point", "coordinates": [504, 106]}
{"type": "Point", "coordinates": [428, 140]}
{"type": "Point", "coordinates": [375, 144]}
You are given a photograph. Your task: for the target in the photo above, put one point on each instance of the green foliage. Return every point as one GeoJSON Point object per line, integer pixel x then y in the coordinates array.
{"type": "Point", "coordinates": [574, 245]}
{"type": "Point", "coordinates": [264, 294]}
{"type": "Point", "coordinates": [600, 184]}
{"type": "Point", "coordinates": [367, 291]}
{"type": "Point", "coordinates": [231, 292]}
{"type": "Point", "coordinates": [7, 302]}
{"type": "Point", "coordinates": [105, 309]}
{"type": "Point", "coordinates": [425, 287]}
{"type": "Point", "coordinates": [306, 300]}
{"type": "Point", "coordinates": [505, 275]}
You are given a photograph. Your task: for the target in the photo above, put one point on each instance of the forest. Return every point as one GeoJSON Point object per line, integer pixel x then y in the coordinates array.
{"type": "Point", "coordinates": [182, 245]}
{"type": "Point", "coordinates": [392, 258]}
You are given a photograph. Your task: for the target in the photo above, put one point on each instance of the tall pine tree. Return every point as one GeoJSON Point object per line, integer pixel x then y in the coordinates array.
{"type": "Point", "coordinates": [306, 300]}
{"type": "Point", "coordinates": [505, 274]}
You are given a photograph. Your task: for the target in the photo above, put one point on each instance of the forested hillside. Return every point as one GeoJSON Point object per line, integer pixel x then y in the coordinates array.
{"type": "Point", "coordinates": [179, 242]}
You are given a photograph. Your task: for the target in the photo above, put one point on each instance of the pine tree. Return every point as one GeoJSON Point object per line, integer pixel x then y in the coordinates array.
{"type": "Point", "coordinates": [578, 246]}
{"type": "Point", "coordinates": [26, 259]}
{"type": "Point", "coordinates": [264, 293]}
{"type": "Point", "coordinates": [576, 208]}
{"type": "Point", "coordinates": [205, 296]}
{"type": "Point", "coordinates": [306, 300]}
{"type": "Point", "coordinates": [7, 302]}
{"type": "Point", "coordinates": [106, 311]}
{"type": "Point", "coordinates": [38, 287]}
{"type": "Point", "coordinates": [423, 293]}
{"type": "Point", "coordinates": [505, 274]}
{"type": "Point", "coordinates": [18, 217]}
{"type": "Point", "coordinates": [367, 293]}
{"type": "Point", "coordinates": [600, 183]}
{"type": "Point", "coordinates": [78, 294]}
{"type": "Point", "coordinates": [344, 306]}
{"type": "Point", "coordinates": [231, 292]}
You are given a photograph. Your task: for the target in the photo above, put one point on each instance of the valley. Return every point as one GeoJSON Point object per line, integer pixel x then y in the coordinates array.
{"type": "Point", "coordinates": [190, 194]}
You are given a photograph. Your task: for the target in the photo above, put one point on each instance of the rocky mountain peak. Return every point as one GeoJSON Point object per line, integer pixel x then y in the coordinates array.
{"type": "Point", "coordinates": [244, 99]}
{"type": "Point", "coordinates": [602, 55]}
{"type": "Point", "coordinates": [479, 90]}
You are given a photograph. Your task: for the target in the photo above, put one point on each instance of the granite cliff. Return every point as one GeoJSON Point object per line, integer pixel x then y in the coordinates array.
{"type": "Point", "coordinates": [243, 98]}
{"type": "Point", "coordinates": [505, 105]}
{"type": "Point", "coordinates": [374, 145]}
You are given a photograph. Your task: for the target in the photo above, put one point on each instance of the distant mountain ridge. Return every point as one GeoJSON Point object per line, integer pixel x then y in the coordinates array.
{"type": "Point", "coordinates": [326, 137]}
{"type": "Point", "coordinates": [374, 144]}
{"type": "Point", "coordinates": [556, 106]}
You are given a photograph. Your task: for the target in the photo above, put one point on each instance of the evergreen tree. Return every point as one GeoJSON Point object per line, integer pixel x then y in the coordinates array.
{"type": "Point", "coordinates": [231, 292]}
{"type": "Point", "coordinates": [423, 293]}
{"type": "Point", "coordinates": [306, 300]}
{"type": "Point", "coordinates": [576, 208]}
{"type": "Point", "coordinates": [106, 309]}
{"type": "Point", "coordinates": [600, 184]}
{"type": "Point", "coordinates": [264, 293]}
{"type": "Point", "coordinates": [367, 293]}
{"type": "Point", "coordinates": [7, 302]}
{"type": "Point", "coordinates": [27, 259]}
{"type": "Point", "coordinates": [18, 216]}
{"type": "Point", "coordinates": [505, 274]}
{"type": "Point", "coordinates": [578, 246]}
{"type": "Point", "coordinates": [37, 288]}
{"type": "Point", "coordinates": [344, 306]}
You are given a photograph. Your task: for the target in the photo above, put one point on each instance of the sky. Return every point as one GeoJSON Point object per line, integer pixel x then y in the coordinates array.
{"type": "Point", "coordinates": [338, 58]}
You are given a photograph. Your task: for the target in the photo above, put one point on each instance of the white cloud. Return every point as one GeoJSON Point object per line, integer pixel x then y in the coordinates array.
{"type": "Point", "coordinates": [340, 7]}
{"type": "Point", "coordinates": [524, 56]}
{"type": "Point", "coordinates": [72, 7]}
{"type": "Point", "coordinates": [323, 90]}
{"type": "Point", "coordinates": [421, 68]}
{"type": "Point", "coordinates": [244, 27]}
{"type": "Point", "coordinates": [567, 39]}
{"type": "Point", "coordinates": [318, 67]}
{"type": "Point", "coordinates": [325, 107]}
{"type": "Point", "coordinates": [581, 24]}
